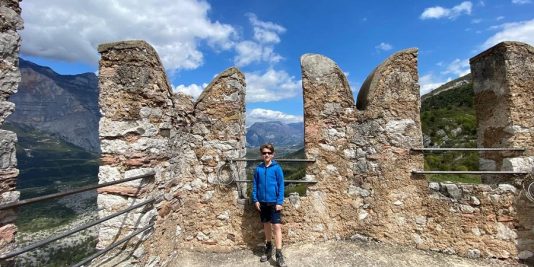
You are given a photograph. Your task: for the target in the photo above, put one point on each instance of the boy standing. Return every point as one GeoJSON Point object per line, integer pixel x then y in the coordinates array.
{"type": "Point", "coordinates": [268, 198]}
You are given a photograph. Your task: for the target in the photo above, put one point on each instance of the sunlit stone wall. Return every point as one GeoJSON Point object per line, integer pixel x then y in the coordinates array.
{"type": "Point", "coordinates": [10, 23]}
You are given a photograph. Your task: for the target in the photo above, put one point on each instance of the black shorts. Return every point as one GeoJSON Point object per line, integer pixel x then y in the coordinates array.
{"type": "Point", "coordinates": [268, 213]}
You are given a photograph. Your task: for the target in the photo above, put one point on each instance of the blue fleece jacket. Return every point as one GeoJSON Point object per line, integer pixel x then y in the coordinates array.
{"type": "Point", "coordinates": [268, 184]}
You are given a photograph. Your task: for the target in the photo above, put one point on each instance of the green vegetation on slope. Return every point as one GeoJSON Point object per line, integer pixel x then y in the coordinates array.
{"type": "Point", "coordinates": [448, 120]}
{"type": "Point", "coordinates": [48, 165]}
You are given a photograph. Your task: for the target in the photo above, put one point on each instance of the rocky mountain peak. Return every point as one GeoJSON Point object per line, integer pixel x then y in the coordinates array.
{"type": "Point", "coordinates": [62, 105]}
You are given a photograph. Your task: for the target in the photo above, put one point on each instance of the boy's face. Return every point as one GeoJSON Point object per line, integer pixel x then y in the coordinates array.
{"type": "Point", "coordinates": [266, 154]}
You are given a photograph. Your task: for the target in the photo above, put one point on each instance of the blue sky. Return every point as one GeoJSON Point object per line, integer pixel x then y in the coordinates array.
{"type": "Point", "coordinates": [197, 39]}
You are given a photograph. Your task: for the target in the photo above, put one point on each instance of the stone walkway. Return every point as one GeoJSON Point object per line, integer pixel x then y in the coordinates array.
{"type": "Point", "coordinates": [334, 253]}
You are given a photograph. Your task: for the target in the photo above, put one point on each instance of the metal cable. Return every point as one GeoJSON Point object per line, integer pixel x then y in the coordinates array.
{"type": "Point", "coordinates": [520, 149]}
{"type": "Point", "coordinates": [72, 231]}
{"type": "Point", "coordinates": [112, 246]}
{"type": "Point", "coordinates": [70, 192]}
{"type": "Point", "coordinates": [528, 187]}
{"type": "Point", "coordinates": [225, 181]}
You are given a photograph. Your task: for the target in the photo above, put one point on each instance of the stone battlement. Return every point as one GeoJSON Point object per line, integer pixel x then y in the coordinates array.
{"type": "Point", "coordinates": [365, 186]}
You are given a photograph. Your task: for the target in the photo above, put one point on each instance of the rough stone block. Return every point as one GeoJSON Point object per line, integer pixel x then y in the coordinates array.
{"type": "Point", "coordinates": [7, 234]}
{"type": "Point", "coordinates": [149, 172]}
{"type": "Point", "coordinates": [524, 164]}
{"type": "Point", "coordinates": [507, 188]}
{"type": "Point", "coordinates": [114, 202]}
{"type": "Point", "coordinates": [114, 146]}
{"type": "Point", "coordinates": [8, 197]}
{"type": "Point", "coordinates": [453, 191]}
{"type": "Point", "coordinates": [6, 108]}
{"type": "Point", "coordinates": [7, 149]}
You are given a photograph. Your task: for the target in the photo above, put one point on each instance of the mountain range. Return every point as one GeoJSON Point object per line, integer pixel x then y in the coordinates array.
{"type": "Point", "coordinates": [278, 133]}
{"type": "Point", "coordinates": [65, 107]}
{"type": "Point", "coordinates": [62, 105]}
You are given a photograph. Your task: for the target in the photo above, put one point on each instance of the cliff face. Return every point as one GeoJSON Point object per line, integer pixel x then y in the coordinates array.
{"type": "Point", "coordinates": [63, 105]}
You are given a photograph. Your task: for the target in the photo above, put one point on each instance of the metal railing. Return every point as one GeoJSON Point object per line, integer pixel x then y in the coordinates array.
{"type": "Point", "coordinates": [422, 149]}
{"type": "Point", "coordinates": [469, 172]}
{"type": "Point", "coordinates": [278, 160]}
{"type": "Point", "coordinates": [285, 181]}
{"type": "Point", "coordinates": [50, 239]}
{"type": "Point", "coordinates": [112, 246]}
{"type": "Point", "coordinates": [70, 192]}
{"type": "Point", "coordinates": [519, 149]}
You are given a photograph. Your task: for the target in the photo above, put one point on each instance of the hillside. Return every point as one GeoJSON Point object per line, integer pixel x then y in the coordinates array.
{"type": "Point", "coordinates": [48, 165]}
{"type": "Point", "coordinates": [448, 120]}
{"type": "Point", "coordinates": [63, 105]}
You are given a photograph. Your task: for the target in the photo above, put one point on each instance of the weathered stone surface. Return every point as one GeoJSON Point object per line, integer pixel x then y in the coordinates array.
{"type": "Point", "coordinates": [502, 80]}
{"type": "Point", "coordinates": [453, 191]}
{"type": "Point", "coordinates": [522, 164]}
{"type": "Point", "coordinates": [363, 163]}
{"type": "Point", "coordinates": [9, 196]}
{"type": "Point", "coordinates": [6, 108]}
{"type": "Point", "coordinates": [10, 23]}
{"type": "Point", "coordinates": [7, 149]}
{"type": "Point", "coordinates": [121, 190]}
{"type": "Point", "coordinates": [7, 234]}
{"type": "Point", "coordinates": [149, 131]}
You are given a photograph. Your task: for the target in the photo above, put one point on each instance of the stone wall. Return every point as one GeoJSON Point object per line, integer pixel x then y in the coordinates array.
{"type": "Point", "coordinates": [135, 135]}
{"type": "Point", "coordinates": [10, 23]}
{"type": "Point", "coordinates": [503, 82]}
{"type": "Point", "coordinates": [145, 127]}
{"type": "Point", "coordinates": [365, 187]}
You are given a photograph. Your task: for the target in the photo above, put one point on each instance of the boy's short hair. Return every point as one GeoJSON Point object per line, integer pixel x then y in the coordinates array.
{"type": "Point", "coordinates": [268, 146]}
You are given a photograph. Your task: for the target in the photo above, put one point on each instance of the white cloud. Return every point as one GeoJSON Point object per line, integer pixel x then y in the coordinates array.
{"type": "Point", "coordinates": [452, 70]}
{"type": "Point", "coordinates": [522, 31]}
{"type": "Point", "coordinates": [458, 67]}
{"type": "Point", "coordinates": [499, 18]}
{"type": "Point", "coordinates": [193, 90]}
{"type": "Point", "coordinates": [438, 12]}
{"type": "Point", "coordinates": [430, 82]}
{"type": "Point", "coordinates": [263, 115]}
{"type": "Point", "coordinates": [384, 46]}
{"type": "Point", "coordinates": [71, 30]}
{"type": "Point", "coordinates": [264, 31]}
{"type": "Point", "coordinates": [272, 85]}
{"type": "Point", "coordinates": [249, 52]}
{"type": "Point", "coordinates": [266, 35]}
{"type": "Point", "coordinates": [521, 2]}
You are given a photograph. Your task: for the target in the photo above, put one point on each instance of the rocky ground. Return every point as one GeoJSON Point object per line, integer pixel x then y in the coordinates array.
{"type": "Point", "coordinates": [333, 253]}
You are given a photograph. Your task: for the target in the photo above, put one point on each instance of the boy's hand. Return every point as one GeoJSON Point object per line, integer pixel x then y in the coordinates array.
{"type": "Point", "coordinates": [278, 207]}
{"type": "Point", "coordinates": [257, 204]}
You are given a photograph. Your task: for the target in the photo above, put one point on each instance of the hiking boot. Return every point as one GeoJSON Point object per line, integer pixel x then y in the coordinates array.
{"type": "Point", "coordinates": [280, 260]}
{"type": "Point", "coordinates": [267, 253]}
